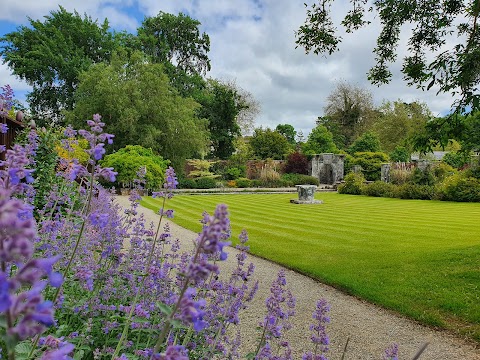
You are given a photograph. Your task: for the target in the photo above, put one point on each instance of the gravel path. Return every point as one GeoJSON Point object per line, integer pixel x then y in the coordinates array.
{"type": "Point", "coordinates": [370, 329]}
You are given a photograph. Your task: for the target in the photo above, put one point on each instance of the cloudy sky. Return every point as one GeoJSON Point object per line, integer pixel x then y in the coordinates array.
{"type": "Point", "coordinates": [252, 43]}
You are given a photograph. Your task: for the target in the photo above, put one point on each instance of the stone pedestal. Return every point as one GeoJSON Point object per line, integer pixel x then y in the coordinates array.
{"type": "Point", "coordinates": [305, 195]}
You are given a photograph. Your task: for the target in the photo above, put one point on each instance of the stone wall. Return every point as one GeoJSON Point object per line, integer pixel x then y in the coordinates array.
{"type": "Point", "coordinates": [328, 168]}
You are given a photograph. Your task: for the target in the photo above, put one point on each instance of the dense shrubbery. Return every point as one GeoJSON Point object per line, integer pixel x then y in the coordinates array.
{"type": "Point", "coordinates": [353, 184]}
{"type": "Point", "coordinates": [458, 188]}
{"type": "Point", "coordinates": [440, 183]}
{"type": "Point", "coordinates": [379, 189]}
{"type": "Point", "coordinates": [126, 162]}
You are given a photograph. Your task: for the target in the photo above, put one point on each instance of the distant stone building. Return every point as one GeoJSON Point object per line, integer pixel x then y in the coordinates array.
{"type": "Point", "coordinates": [328, 168]}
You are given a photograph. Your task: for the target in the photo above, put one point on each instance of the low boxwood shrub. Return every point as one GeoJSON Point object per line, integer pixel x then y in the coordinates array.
{"type": "Point", "coordinates": [206, 183]}
{"type": "Point", "coordinates": [380, 189]}
{"type": "Point", "coordinates": [244, 183]}
{"type": "Point", "coordinates": [353, 184]}
{"type": "Point", "coordinates": [186, 183]}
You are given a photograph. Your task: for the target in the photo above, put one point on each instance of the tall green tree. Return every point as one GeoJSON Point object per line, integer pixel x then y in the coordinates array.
{"type": "Point", "coordinates": [139, 107]}
{"type": "Point", "coordinates": [349, 112]}
{"type": "Point", "coordinates": [220, 108]}
{"type": "Point", "coordinates": [176, 42]}
{"type": "Point", "coordinates": [288, 131]}
{"type": "Point", "coordinates": [398, 122]}
{"type": "Point", "coordinates": [50, 55]}
{"type": "Point", "coordinates": [432, 62]}
{"type": "Point", "coordinates": [319, 141]}
{"type": "Point", "coordinates": [368, 142]}
{"type": "Point", "coordinates": [269, 144]}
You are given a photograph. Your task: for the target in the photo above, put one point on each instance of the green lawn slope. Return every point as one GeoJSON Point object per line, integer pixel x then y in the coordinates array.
{"type": "Point", "coordinates": [420, 258]}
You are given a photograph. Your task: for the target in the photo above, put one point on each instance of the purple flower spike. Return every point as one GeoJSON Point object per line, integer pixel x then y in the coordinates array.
{"type": "Point", "coordinates": [190, 311]}
{"type": "Point", "coordinates": [62, 353]}
{"type": "Point", "coordinates": [173, 352]}
{"type": "Point", "coordinates": [391, 353]}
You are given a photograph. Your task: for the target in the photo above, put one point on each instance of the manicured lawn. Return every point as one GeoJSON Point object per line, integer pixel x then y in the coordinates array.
{"type": "Point", "coordinates": [421, 258]}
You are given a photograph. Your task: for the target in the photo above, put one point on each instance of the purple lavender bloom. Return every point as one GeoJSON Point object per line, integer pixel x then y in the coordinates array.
{"type": "Point", "coordinates": [16, 234]}
{"type": "Point", "coordinates": [62, 353]}
{"type": "Point", "coordinates": [173, 352]}
{"type": "Point", "coordinates": [2, 148]}
{"type": "Point", "coordinates": [170, 179]}
{"type": "Point", "coordinates": [214, 230]}
{"type": "Point", "coordinates": [319, 335]}
{"type": "Point", "coordinates": [3, 128]}
{"type": "Point", "coordinates": [99, 219]}
{"type": "Point", "coordinates": [391, 353]}
{"type": "Point", "coordinates": [190, 311]}
{"type": "Point", "coordinates": [5, 299]}
{"type": "Point", "coordinates": [98, 151]}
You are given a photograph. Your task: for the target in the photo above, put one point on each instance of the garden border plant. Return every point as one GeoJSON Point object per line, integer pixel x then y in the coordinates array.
{"type": "Point", "coordinates": [123, 283]}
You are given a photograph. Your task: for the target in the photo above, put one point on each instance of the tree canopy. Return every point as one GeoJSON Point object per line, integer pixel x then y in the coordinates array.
{"type": "Point", "coordinates": [348, 113]}
{"type": "Point", "coordinates": [448, 30]}
{"type": "Point", "coordinates": [288, 131]}
{"type": "Point", "coordinates": [398, 123]}
{"type": "Point", "coordinates": [140, 107]}
{"type": "Point", "coordinates": [319, 141]}
{"type": "Point", "coordinates": [269, 144]}
{"type": "Point", "coordinates": [50, 56]}
{"type": "Point", "coordinates": [220, 108]}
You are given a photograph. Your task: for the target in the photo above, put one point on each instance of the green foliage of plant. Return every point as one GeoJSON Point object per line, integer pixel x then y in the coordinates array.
{"type": "Point", "coordinates": [201, 168]}
{"type": "Point", "coordinates": [353, 184]}
{"type": "Point", "coordinates": [371, 163]}
{"type": "Point", "coordinates": [378, 259]}
{"type": "Point", "coordinates": [349, 112]}
{"type": "Point", "coordinates": [269, 144]}
{"type": "Point", "coordinates": [400, 154]}
{"type": "Point", "coordinates": [457, 159]}
{"type": "Point", "coordinates": [127, 162]}
{"type": "Point", "coordinates": [234, 173]}
{"type": "Point", "coordinates": [220, 106]}
{"type": "Point", "coordinates": [416, 191]}
{"type": "Point", "coordinates": [205, 183]}
{"type": "Point", "coordinates": [50, 55]}
{"type": "Point", "coordinates": [367, 142]}
{"type": "Point", "coordinates": [186, 183]}
{"type": "Point", "coordinates": [288, 131]}
{"type": "Point", "coordinates": [139, 107]}
{"type": "Point", "coordinates": [319, 141]}
{"type": "Point", "coordinates": [460, 188]}
{"type": "Point", "coordinates": [443, 170]}
{"type": "Point", "coordinates": [379, 189]}
{"type": "Point", "coordinates": [300, 179]}
{"type": "Point", "coordinates": [422, 177]}
{"type": "Point", "coordinates": [399, 176]}
{"type": "Point", "coordinates": [243, 183]}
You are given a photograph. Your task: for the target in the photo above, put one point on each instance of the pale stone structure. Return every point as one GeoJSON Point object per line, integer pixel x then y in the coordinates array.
{"type": "Point", "coordinates": [305, 195]}
{"type": "Point", "coordinates": [328, 168]}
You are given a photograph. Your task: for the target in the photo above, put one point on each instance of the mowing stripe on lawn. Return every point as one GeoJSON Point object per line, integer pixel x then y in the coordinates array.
{"type": "Point", "coordinates": [421, 258]}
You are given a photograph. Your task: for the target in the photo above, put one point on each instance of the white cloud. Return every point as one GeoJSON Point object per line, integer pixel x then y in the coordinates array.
{"type": "Point", "coordinates": [253, 43]}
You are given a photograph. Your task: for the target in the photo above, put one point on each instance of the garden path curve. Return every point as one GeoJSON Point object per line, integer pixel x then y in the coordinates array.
{"type": "Point", "coordinates": [370, 329]}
